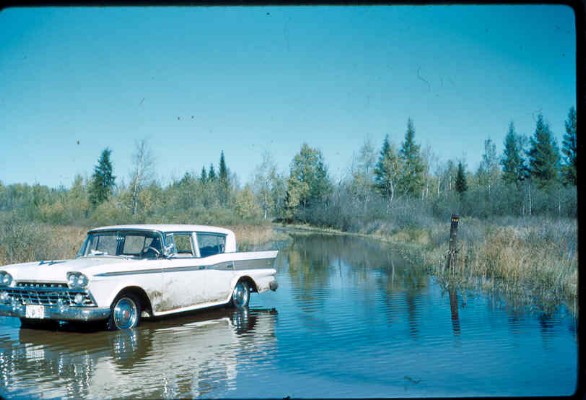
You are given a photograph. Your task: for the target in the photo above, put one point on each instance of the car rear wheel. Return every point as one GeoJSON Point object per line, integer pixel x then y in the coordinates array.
{"type": "Point", "coordinates": [126, 311]}
{"type": "Point", "coordinates": [241, 295]}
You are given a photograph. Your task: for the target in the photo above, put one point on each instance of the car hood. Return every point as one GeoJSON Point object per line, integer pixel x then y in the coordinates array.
{"type": "Point", "coordinates": [56, 270]}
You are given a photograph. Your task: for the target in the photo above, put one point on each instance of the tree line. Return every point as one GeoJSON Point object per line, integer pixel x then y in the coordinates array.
{"type": "Point", "coordinates": [390, 188]}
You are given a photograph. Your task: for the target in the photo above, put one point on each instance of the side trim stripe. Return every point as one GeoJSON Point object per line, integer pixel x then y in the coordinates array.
{"type": "Point", "coordinates": [133, 272]}
{"type": "Point", "coordinates": [223, 266]}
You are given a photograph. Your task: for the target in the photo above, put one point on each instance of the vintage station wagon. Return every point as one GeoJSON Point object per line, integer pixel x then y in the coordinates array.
{"type": "Point", "coordinates": [126, 272]}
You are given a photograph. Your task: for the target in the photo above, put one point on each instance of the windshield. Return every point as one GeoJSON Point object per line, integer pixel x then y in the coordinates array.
{"type": "Point", "coordinates": [135, 244]}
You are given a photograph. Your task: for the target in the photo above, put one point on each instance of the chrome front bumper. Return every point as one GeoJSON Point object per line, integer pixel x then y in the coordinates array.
{"type": "Point", "coordinates": [59, 313]}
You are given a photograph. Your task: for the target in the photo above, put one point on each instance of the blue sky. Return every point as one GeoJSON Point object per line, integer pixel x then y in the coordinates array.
{"type": "Point", "coordinates": [249, 80]}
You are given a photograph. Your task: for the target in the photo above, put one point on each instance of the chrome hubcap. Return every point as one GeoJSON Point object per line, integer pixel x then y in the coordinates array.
{"type": "Point", "coordinates": [240, 295]}
{"type": "Point", "coordinates": [125, 313]}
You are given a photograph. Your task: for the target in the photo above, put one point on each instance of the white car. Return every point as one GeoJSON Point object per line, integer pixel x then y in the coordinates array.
{"type": "Point", "coordinates": [126, 272]}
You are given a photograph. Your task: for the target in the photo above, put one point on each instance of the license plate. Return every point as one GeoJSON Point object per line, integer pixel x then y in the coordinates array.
{"type": "Point", "coordinates": [35, 312]}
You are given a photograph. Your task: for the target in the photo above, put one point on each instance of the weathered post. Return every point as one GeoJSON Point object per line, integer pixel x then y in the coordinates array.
{"type": "Point", "coordinates": [454, 311]}
{"type": "Point", "coordinates": [453, 249]}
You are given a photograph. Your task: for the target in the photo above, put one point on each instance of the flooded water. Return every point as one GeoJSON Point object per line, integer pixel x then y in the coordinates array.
{"type": "Point", "coordinates": [351, 318]}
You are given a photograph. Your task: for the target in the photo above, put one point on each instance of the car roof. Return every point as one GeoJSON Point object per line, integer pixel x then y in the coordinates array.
{"type": "Point", "coordinates": [166, 228]}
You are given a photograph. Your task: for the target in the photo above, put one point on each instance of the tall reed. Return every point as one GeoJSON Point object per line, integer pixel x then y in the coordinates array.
{"type": "Point", "coordinates": [536, 256]}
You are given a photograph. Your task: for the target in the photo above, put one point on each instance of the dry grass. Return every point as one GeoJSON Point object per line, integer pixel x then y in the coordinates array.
{"type": "Point", "coordinates": [25, 241]}
{"type": "Point", "coordinates": [22, 242]}
{"type": "Point", "coordinates": [537, 258]}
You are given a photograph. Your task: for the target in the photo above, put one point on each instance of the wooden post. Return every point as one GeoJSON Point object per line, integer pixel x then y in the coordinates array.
{"type": "Point", "coordinates": [452, 253]}
{"type": "Point", "coordinates": [454, 311]}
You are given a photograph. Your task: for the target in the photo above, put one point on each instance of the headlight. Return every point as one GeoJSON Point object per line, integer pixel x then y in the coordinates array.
{"type": "Point", "coordinates": [5, 278]}
{"type": "Point", "coordinates": [77, 280]}
{"type": "Point", "coordinates": [4, 297]}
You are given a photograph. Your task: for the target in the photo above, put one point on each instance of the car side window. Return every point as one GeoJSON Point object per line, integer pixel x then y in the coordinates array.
{"type": "Point", "coordinates": [183, 245]}
{"type": "Point", "coordinates": [211, 243]}
{"type": "Point", "coordinates": [104, 243]}
{"type": "Point", "coordinates": [140, 245]}
{"type": "Point", "coordinates": [133, 244]}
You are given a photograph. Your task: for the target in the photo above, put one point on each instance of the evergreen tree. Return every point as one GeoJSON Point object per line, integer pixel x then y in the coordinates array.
{"type": "Point", "coordinates": [203, 177]}
{"type": "Point", "coordinates": [461, 184]}
{"type": "Point", "coordinates": [387, 170]}
{"type": "Point", "coordinates": [103, 180]}
{"type": "Point", "coordinates": [411, 181]}
{"type": "Point", "coordinates": [212, 174]}
{"type": "Point", "coordinates": [224, 188]}
{"type": "Point", "coordinates": [570, 149]}
{"type": "Point", "coordinates": [223, 172]}
{"type": "Point", "coordinates": [543, 155]}
{"type": "Point", "coordinates": [514, 170]}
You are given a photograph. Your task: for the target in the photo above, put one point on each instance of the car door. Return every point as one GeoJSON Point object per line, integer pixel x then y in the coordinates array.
{"type": "Point", "coordinates": [191, 280]}
{"type": "Point", "coordinates": [144, 267]}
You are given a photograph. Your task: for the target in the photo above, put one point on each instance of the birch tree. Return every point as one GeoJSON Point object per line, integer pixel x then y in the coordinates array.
{"type": "Point", "coordinates": [488, 170]}
{"type": "Point", "coordinates": [268, 186]}
{"type": "Point", "coordinates": [142, 173]}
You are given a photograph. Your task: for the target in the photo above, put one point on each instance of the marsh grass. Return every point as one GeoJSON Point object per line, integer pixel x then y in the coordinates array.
{"type": "Point", "coordinates": [534, 259]}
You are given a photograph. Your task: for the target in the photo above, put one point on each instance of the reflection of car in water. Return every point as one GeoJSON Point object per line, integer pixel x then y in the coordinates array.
{"type": "Point", "coordinates": [183, 357]}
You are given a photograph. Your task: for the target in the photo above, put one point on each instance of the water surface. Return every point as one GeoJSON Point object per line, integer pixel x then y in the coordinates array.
{"type": "Point", "coordinates": [351, 318]}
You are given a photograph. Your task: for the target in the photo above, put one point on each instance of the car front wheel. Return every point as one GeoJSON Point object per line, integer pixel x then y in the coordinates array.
{"type": "Point", "coordinates": [125, 314]}
{"type": "Point", "coordinates": [241, 295]}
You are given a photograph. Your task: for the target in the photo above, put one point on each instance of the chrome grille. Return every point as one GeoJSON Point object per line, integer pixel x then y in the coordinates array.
{"type": "Point", "coordinates": [47, 294]}
{"type": "Point", "coordinates": [41, 285]}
